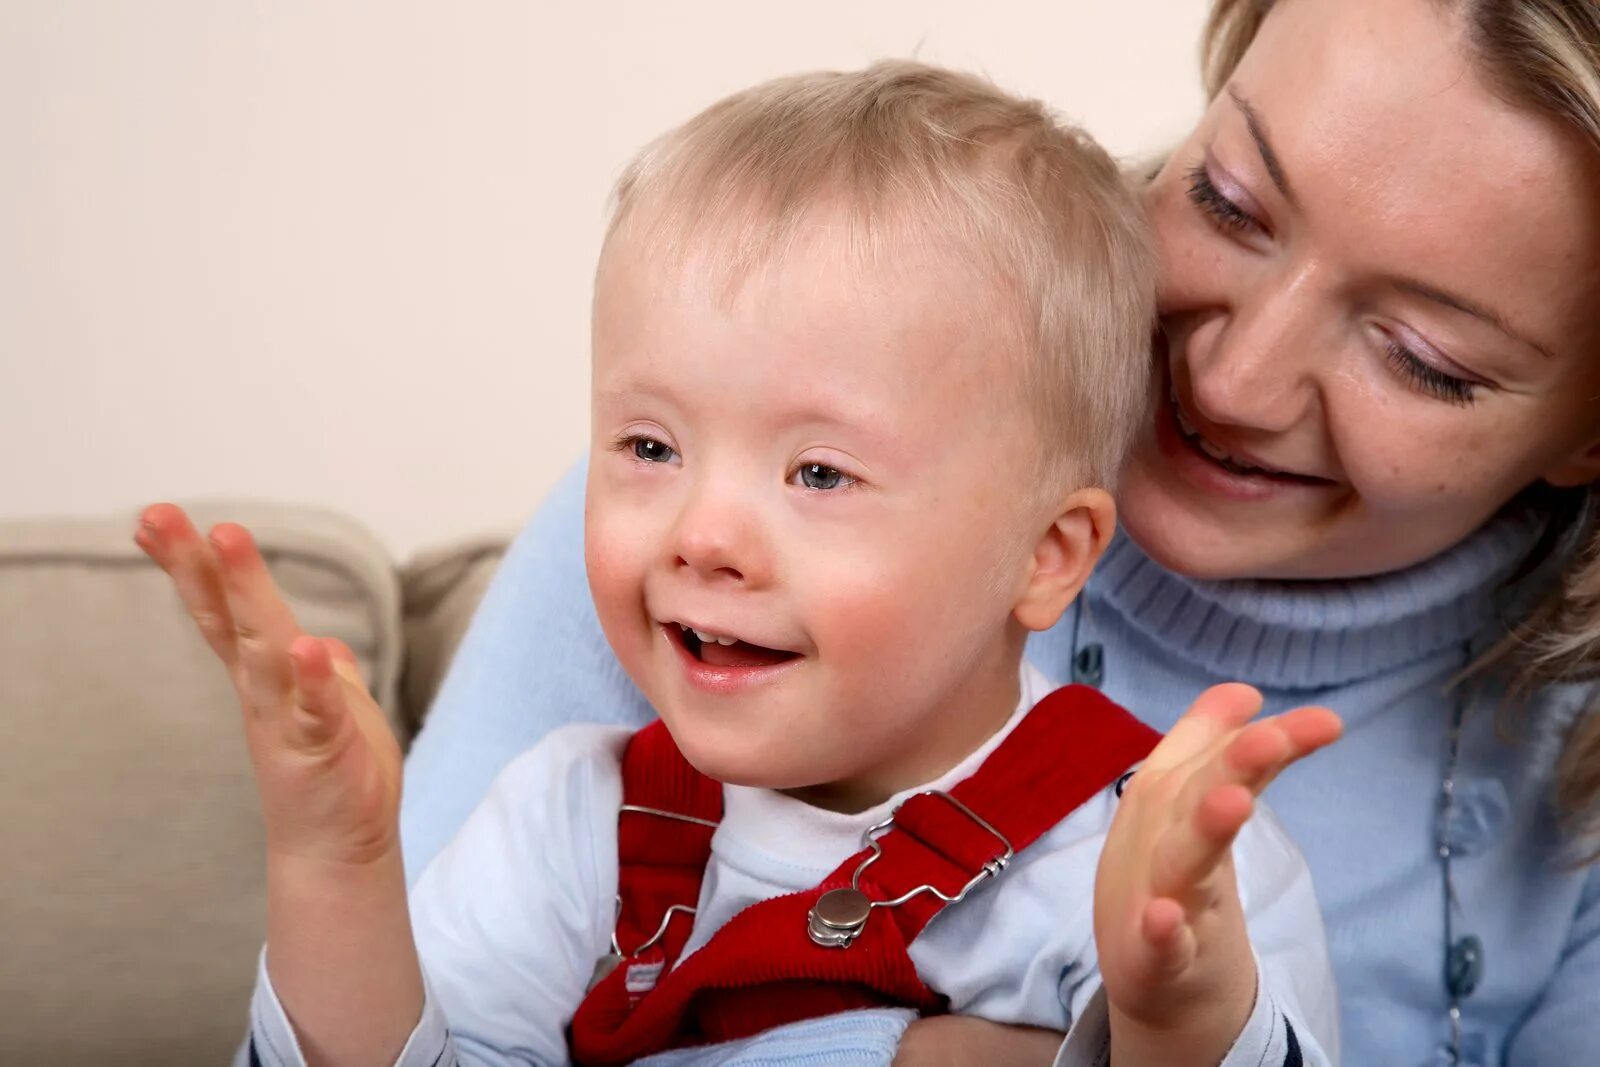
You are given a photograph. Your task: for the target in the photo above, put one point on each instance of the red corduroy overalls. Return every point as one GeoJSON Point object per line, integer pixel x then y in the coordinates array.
{"type": "Point", "coordinates": [764, 968]}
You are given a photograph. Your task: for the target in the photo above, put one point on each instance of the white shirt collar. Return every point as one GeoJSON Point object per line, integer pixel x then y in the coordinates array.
{"type": "Point", "coordinates": [781, 834]}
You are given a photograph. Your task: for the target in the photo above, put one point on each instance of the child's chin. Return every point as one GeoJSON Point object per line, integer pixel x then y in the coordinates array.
{"type": "Point", "coordinates": [736, 761]}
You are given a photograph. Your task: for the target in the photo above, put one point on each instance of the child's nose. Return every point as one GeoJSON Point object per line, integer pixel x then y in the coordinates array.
{"type": "Point", "coordinates": [720, 541]}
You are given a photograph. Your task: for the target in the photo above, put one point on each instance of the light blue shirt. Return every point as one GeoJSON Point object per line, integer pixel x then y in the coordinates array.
{"type": "Point", "coordinates": [1365, 812]}
{"type": "Point", "coordinates": [510, 918]}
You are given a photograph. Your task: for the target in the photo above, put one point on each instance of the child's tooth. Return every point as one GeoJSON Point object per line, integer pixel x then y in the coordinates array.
{"type": "Point", "coordinates": [702, 635]}
{"type": "Point", "coordinates": [727, 640]}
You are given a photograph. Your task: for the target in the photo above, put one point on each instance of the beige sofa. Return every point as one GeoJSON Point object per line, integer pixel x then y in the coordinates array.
{"type": "Point", "coordinates": [131, 893]}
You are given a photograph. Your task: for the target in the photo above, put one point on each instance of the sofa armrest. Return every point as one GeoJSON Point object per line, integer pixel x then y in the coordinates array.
{"type": "Point", "coordinates": [133, 897]}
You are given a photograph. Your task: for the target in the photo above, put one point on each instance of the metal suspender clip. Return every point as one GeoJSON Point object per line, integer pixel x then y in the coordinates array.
{"type": "Point", "coordinates": [613, 959]}
{"type": "Point", "coordinates": [839, 915]}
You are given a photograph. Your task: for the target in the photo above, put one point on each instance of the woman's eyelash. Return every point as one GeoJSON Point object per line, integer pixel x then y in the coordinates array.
{"type": "Point", "coordinates": [1427, 377]}
{"type": "Point", "coordinates": [1208, 198]}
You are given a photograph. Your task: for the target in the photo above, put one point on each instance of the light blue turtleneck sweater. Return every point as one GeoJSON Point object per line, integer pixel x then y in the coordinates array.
{"type": "Point", "coordinates": [1366, 812]}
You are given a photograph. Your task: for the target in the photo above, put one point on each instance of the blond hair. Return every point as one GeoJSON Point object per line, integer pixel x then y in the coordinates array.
{"type": "Point", "coordinates": [910, 151]}
{"type": "Point", "coordinates": [1543, 55]}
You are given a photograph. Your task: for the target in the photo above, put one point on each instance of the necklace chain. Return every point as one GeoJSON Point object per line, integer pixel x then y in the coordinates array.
{"type": "Point", "coordinates": [1452, 903]}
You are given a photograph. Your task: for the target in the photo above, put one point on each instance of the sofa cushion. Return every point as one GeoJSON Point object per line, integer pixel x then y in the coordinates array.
{"type": "Point", "coordinates": [133, 895]}
{"type": "Point", "coordinates": [441, 589]}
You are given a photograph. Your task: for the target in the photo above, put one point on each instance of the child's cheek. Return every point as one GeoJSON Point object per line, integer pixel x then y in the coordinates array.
{"type": "Point", "coordinates": [614, 556]}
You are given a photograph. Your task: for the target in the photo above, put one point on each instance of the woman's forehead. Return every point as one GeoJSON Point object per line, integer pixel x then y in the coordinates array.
{"type": "Point", "coordinates": [1402, 157]}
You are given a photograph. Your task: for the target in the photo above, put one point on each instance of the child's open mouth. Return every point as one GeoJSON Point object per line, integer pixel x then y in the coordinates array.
{"type": "Point", "coordinates": [718, 651]}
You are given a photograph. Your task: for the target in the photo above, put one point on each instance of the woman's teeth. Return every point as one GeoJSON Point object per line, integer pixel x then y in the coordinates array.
{"type": "Point", "coordinates": [710, 639]}
{"type": "Point", "coordinates": [1192, 435]}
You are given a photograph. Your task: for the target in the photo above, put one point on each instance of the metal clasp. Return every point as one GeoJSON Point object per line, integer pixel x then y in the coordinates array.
{"type": "Point", "coordinates": [839, 915]}
{"type": "Point", "coordinates": [613, 959]}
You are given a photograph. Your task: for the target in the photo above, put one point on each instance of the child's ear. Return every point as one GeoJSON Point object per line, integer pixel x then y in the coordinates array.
{"type": "Point", "coordinates": [1577, 469]}
{"type": "Point", "coordinates": [1064, 555]}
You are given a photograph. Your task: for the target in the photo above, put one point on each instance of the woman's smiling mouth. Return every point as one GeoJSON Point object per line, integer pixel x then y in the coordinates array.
{"type": "Point", "coordinates": [1219, 468]}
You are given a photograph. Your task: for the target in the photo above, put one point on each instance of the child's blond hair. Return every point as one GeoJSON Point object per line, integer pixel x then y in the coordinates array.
{"type": "Point", "coordinates": [907, 149]}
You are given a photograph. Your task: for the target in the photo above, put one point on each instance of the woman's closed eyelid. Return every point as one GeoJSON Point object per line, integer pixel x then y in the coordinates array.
{"type": "Point", "coordinates": [1232, 187]}
{"type": "Point", "coordinates": [1224, 210]}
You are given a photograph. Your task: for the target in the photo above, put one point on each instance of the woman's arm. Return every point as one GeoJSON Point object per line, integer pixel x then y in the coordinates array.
{"type": "Point", "coordinates": [533, 659]}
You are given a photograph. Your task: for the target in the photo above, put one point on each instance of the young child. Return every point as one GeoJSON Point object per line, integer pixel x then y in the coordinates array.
{"type": "Point", "coordinates": [868, 351]}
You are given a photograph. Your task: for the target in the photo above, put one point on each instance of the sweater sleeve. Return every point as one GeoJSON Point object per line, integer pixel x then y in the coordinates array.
{"type": "Point", "coordinates": [1295, 1021]}
{"type": "Point", "coordinates": [533, 659]}
{"type": "Point", "coordinates": [1564, 1026]}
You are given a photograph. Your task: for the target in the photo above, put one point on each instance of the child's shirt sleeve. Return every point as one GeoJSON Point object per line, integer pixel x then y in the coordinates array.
{"type": "Point", "coordinates": [509, 919]}
{"type": "Point", "coordinates": [1295, 1021]}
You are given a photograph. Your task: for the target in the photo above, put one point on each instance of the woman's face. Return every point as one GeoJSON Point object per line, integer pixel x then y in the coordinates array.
{"type": "Point", "coordinates": [1380, 300]}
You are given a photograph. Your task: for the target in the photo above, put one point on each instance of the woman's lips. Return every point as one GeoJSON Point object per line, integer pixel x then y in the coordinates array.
{"type": "Point", "coordinates": [1229, 475]}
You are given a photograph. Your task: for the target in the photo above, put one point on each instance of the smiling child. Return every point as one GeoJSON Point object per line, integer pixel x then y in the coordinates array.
{"type": "Point", "coordinates": [869, 351]}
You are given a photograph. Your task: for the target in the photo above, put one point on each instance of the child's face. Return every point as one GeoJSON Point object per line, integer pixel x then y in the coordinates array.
{"type": "Point", "coordinates": [827, 464]}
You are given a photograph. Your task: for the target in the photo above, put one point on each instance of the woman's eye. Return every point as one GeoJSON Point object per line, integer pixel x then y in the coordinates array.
{"type": "Point", "coordinates": [1223, 211]}
{"type": "Point", "coordinates": [649, 449]}
{"type": "Point", "coordinates": [821, 477]}
{"type": "Point", "coordinates": [1425, 376]}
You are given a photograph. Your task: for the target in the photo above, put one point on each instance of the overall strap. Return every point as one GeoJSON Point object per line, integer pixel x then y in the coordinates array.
{"type": "Point", "coordinates": [1073, 744]}
{"type": "Point", "coordinates": [669, 812]}
{"type": "Point", "coordinates": [763, 968]}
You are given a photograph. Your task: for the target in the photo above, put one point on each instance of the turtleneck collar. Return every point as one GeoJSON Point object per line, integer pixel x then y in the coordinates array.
{"type": "Point", "coordinates": [1312, 634]}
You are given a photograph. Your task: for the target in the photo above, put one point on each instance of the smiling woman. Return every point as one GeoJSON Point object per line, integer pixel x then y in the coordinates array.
{"type": "Point", "coordinates": [1378, 297]}
{"type": "Point", "coordinates": [1368, 469]}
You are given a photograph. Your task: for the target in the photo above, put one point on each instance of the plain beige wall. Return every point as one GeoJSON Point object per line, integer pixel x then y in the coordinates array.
{"type": "Point", "coordinates": [340, 252]}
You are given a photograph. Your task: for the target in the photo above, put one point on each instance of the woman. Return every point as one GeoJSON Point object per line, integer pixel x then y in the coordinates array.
{"type": "Point", "coordinates": [1368, 469]}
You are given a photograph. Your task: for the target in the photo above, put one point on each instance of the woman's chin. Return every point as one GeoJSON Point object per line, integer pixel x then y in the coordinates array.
{"type": "Point", "coordinates": [1209, 543]}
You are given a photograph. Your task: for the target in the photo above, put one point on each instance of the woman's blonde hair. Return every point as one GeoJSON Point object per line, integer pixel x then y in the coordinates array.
{"type": "Point", "coordinates": [1544, 55]}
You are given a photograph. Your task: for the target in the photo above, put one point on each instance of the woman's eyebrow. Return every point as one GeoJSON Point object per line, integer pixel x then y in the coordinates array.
{"type": "Point", "coordinates": [1258, 133]}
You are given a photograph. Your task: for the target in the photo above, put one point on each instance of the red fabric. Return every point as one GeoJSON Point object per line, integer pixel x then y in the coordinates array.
{"type": "Point", "coordinates": [761, 969]}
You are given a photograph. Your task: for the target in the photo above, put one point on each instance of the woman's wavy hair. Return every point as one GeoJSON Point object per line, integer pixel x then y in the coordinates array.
{"type": "Point", "coordinates": [1545, 55]}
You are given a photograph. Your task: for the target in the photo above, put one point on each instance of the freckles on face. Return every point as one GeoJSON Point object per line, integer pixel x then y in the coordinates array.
{"type": "Point", "coordinates": [1376, 271]}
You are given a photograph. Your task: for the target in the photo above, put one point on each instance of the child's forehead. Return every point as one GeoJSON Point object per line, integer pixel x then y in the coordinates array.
{"type": "Point", "coordinates": [833, 259]}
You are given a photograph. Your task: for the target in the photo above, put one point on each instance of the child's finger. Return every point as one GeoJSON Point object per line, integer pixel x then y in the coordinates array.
{"type": "Point", "coordinates": [1257, 753]}
{"type": "Point", "coordinates": [166, 535]}
{"type": "Point", "coordinates": [344, 660]}
{"type": "Point", "coordinates": [1214, 714]}
{"type": "Point", "coordinates": [1191, 850]}
{"type": "Point", "coordinates": [264, 627]}
{"type": "Point", "coordinates": [1167, 934]}
{"type": "Point", "coordinates": [319, 705]}
{"type": "Point", "coordinates": [1263, 750]}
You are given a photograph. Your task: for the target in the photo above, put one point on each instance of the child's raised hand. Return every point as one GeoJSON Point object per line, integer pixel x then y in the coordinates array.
{"type": "Point", "coordinates": [326, 763]}
{"type": "Point", "coordinates": [1174, 952]}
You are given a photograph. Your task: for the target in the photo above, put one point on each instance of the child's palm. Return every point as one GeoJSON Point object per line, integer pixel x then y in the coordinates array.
{"type": "Point", "coordinates": [326, 763]}
{"type": "Point", "coordinates": [1169, 927]}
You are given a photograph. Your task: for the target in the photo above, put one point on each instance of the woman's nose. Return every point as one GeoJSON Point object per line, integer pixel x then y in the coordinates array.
{"type": "Point", "coordinates": [1257, 366]}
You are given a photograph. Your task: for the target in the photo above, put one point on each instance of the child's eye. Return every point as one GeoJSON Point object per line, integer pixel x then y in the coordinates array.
{"type": "Point", "coordinates": [1223, 211]}
{"type": "Point", "coordinates": [647, 448]}
{"type": "Point", "coordinates": [819, 476]}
